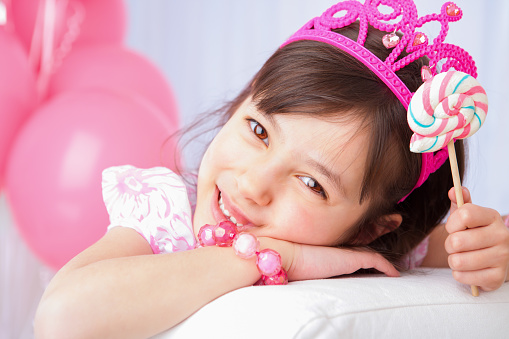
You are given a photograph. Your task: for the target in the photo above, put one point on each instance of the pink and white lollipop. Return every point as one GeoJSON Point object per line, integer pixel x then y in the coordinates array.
{"type": "Point", "coordinates": [451, 105]}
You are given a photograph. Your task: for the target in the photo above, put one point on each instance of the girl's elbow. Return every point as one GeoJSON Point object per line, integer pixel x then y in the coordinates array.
{"type": "Point", "coordinates": [54, 319]}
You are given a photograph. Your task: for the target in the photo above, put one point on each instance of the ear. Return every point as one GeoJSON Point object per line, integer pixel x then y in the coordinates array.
{"type": "Point", "coordinates": [383, 225]}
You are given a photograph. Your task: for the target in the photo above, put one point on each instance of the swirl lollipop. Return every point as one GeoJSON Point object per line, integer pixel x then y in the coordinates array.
{"type": "Point", "coordinates": [449, 106]}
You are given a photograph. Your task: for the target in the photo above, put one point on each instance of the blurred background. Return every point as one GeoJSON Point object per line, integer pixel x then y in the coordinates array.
{"type": "Point", "coordinates": [205, 51]}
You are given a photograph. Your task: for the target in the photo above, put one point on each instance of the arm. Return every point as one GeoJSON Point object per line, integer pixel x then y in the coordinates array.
{"type": "Point", "coordinates": [118, 288]}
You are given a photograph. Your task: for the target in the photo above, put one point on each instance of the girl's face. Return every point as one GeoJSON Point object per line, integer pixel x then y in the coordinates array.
{"type": "Point", "coordinates": [288, 177]}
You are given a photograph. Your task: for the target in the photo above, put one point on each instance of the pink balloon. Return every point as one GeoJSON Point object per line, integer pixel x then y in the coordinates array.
{"type": "Point", "coordinates": [117, 68]}
{"type": "Point", "coordinates": [104, 21]}
{"type": "Point", "coordinates": [53, 178]}
{"type": "Point", "coordinates": [17, 92]}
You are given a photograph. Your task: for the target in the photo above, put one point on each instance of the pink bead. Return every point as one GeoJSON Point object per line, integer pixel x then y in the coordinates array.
{"type": "Point", "coordinates": [259, 282]}
{"type": "Point", "coordinates": [419, 39]}
{"type": "Point", "coordinates": [390, 40]}
{"type": "Point", "coordinates": [426, 73]}
{"type": "Point", "coordinates": [224, 233]}
{"type": "Point", "coordinates": [268, 262]}
{"type": "Point", "coordinates": [280, 278]}
{"type": "Point", "coordinates": [205, 235]}
{"type": "Point", "coordinates": [452, 10]}
{"type": "Point", "coordinates": [246, 245]}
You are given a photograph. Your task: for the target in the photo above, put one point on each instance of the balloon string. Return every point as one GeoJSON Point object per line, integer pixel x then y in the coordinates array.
{"type": "Point", "coordinates": [48, 37]}
{"type": "Point", "coordinates": [45, 56]}
{"type": "Point", "coordinates": [72, 32]}
{"type": "Point", "coordinates": [34, 54]}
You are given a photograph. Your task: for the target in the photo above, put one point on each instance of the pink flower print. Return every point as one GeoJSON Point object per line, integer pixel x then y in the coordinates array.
{"type": "Point", "coordinates": [125, 192]}
{"type": "Point", "coordinates": [420, 252]}
{"type": "Point", "coordinates": [416, 256]}
{"type": "Point", "coordinates": [154, 244]}
{"type": "Point", "coordinates": [168, 239]}
{"type": "Point", "coordinates": [132, 193]}
{"type": "Point", "coordinates": [181, 231]}
{"type": "Point", "coordinates": [175, 237]}
{"type": "Point", "coordinates": [152, 201]}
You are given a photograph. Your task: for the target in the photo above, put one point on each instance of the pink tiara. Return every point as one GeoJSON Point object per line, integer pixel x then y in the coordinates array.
{"type": "Point", "coordinates": [442, 56]}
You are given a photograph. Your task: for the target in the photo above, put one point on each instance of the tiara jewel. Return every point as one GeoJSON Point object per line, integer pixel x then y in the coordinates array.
{"type": "Point", "coordinates": [413, 42]}
{"type": "Point", "coordinates": [403, 18]}
{"type": "Point", "coordinates": [390, 40]}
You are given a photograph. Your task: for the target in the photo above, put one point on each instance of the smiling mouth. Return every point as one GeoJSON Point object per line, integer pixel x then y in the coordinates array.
{"type": "Point", "coordinates": [227, 213]}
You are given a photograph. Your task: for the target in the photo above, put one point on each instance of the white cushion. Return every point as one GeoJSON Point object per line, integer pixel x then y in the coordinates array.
{"type": "Point", "coordinates": [421, 303]}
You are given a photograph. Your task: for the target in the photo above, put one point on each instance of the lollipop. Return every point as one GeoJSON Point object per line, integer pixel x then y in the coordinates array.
{"type": "Point", "coordinates": [449, 106]}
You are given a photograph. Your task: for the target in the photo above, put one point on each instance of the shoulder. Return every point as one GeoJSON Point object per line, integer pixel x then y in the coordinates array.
{"type": "Point", "coordinates": [152, 201]}
{"type": "Point", "coordinates": [132, 180]}
{"type": "Point", "coordinates": [136, 184]}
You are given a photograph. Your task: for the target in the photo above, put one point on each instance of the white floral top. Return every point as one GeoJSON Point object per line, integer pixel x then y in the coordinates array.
{"type": "Point", "coordinates": [154, 202]}
{"type": "Point", "coordinates": [157, 204]}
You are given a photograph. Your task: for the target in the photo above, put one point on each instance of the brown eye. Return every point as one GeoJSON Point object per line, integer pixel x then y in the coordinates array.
{"type": "Point", "coordinates": [259, 131]}
{"type": "Point", "coordinates": [314, 186]}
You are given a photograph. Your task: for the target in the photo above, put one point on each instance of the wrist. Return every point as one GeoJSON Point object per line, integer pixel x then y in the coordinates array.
{"type": "Point", "coordinates": [289, 252]}
{"type": "Point", "coordinates": [246, 246]}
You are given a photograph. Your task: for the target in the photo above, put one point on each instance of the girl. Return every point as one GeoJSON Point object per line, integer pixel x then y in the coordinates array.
{"type": "Point", "coordinates": [313, 160]}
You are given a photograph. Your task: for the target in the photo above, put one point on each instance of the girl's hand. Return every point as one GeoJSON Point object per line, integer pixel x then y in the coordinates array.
{"type": "Point", "coordinates": [317, 262]}
{"type": "Point", "coordinates": [478, 244]}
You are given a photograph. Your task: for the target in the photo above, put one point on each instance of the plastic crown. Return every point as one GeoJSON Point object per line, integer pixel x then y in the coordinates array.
{"type": "Point", "coordinates": [442, 56]}
{"type": "Point", "coordinates": [415, 43]}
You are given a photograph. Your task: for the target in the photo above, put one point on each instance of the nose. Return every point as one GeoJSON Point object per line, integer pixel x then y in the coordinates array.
{"type": "Point", "coordinates": [258, 182]}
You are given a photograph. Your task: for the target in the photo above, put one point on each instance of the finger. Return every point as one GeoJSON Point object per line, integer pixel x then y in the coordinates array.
{"type": "Point", "coordinates": [474, 239]}
{"type": "Point", "coordinates": [488, 279]}
{"type": "Point", "coordinates": [470, 216]}
{"type": "Point", "coordinates": [318, 262]}
{"type": "Point", "coordinates": [378, 262]}
{"type": "Point", "coordinates": [476, 260]}
{"type": "Point", "coordinates": [466, 196]}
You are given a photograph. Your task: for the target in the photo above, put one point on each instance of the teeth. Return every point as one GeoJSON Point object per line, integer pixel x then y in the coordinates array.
{"type": "Point", "coordinates": [227, 213]}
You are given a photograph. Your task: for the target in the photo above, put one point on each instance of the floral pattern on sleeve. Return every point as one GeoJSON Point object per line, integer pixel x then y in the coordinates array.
{"type": "Point", "coordinates": [154, 202]}
{"type": "Point", "coordinates": [416, 256]}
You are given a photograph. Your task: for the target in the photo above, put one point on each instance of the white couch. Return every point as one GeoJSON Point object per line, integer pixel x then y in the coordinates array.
{"type": "Point", "coordinates": [424, 303]}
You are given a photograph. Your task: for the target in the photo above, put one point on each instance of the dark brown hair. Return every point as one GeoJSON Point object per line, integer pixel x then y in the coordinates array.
{"type": "Point", "coordinates": [310, 77]}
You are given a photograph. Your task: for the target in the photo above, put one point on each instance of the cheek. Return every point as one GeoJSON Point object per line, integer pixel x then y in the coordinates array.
{"type": "Point", "coordinates": [307, 225]}
{"type": "Point", "coordinates": [224, 150]}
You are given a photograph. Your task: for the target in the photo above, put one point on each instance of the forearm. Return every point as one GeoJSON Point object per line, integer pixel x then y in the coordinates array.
{"type": "Point", "coordinates": [139, 296]}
